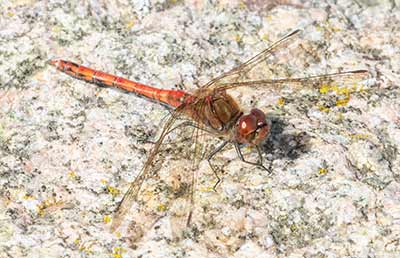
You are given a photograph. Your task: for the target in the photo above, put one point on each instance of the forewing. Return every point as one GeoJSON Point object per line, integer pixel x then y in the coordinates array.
{"type": "Point", "coordinates": [326, 82]}
{"type": "Point", "coordinates": [292, 62]}
{"type": "Point", "coordinates": [246, 67]}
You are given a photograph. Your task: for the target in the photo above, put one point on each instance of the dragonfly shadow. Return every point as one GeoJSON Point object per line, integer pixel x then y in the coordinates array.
{"type": "Point", "coordinates": [285, 141]}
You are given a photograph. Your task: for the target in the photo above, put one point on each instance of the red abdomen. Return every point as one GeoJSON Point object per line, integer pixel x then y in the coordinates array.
{"type": "Point", "coordinates": [173, 98]}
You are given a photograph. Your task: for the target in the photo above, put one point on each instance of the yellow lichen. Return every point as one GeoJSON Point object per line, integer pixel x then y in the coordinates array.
{"type": "Point", "coordinates": [238, 38]}
{"type": "Point", "coordinates": [130, 24]}
{"type": "Point", "coordinates": [319, 27]}
{"type": "Point", "coordinates": [113, 191]}
{"type": "Point", "coordinates": [72, 174]}
{"type": "Point", "coordinates": [242, 5]}
{"type": "Point", "coordinates": [324, 109]}
{"type": "Point", "coordinates": [77, 241]}
{"type": "Point", "coordinates": [162, 207]}
{"type": "Point", "coordinates": [281, 102]}
{"type": "Point", "coordinates": [343, 102]}
{"type": "Point", "coordinates": [322, 171]}
{"type": "Point", "coordinates": [207, 189]}
{"type": "Point", "coordinates": [336, 29]}
{"type": "Point", "coordinates": [269, 18]}
{"type": "Point", "coordinates": [265, 37]}
{"type": "Point", "coordinates": [267, 190]}
{"type": "Point", "coordinates": [107, 219]}
{"type": "Point", "coordinates": [117, 252]}
{"type": "Point", "coordinates": [44, 205]}
{"type": "Point", "coordinates": [324, 89]}
{"type": "Point", "coordinates": [28, 197]}
{"type": "Point", "coordinates": [359, 136]}
{"type": "Point", "coordinates": [85, 247]}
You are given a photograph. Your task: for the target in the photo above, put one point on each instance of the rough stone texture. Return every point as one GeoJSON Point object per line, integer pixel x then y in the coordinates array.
{"type": "Point", "coordinates": [68, 148]}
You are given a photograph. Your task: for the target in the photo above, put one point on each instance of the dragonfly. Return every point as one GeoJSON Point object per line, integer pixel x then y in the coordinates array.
{"type": "Point", "coordinates": [210, 108]}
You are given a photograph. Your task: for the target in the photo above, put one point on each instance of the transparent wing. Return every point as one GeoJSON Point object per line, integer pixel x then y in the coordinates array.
{"type": "Point", "coordinates": [165, 188]}
{"type": "Point", "coordinates": [254, 61]}
{"type": "Point", "coordinates": [287, 62]}
{"type": "Point", "coordinates": [182, 209]}
{"type": "Point", "coordinates": [132, 193]}
{"type": "Point", "coordinates": [322, 82]}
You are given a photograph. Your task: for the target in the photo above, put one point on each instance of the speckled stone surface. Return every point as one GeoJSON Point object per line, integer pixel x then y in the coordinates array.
{"type": "Point", "coordinates": [69, 149]}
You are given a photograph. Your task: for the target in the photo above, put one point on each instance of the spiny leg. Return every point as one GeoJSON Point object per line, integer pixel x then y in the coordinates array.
{"type": "Point", "coordinates": [212, 154]}
{"type": "Point", "coordinates": [261, 160]}
{"type": "Point", "coordinates": [259, 163]}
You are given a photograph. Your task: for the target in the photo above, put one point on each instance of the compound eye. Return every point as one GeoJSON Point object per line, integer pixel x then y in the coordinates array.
{"type": "Point", "coordinates": [260, 116]}
{"type": "Point", "coordinates": [247, 124]}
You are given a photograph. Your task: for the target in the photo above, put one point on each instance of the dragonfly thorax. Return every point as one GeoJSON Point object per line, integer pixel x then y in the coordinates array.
{"type": "Point", "coordinates": [252, 128]}
{"type": "Point", "coordinates": [217, 111]}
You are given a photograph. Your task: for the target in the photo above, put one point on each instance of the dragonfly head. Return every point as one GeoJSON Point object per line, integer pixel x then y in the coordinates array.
{"type": "Point", "coordinates": [253, 128]}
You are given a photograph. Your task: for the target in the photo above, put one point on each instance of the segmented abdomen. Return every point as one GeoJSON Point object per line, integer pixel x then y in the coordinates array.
{"type": "Point", "coordinates": [173, 98]}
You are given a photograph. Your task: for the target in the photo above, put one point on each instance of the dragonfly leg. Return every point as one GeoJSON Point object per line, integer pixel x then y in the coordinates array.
{"type": "Point", "coordinates": [189, 216]}
{"type": "Point", "coordinates": [261, 160]}
{"type": "Point", "coordinates": [212, 154]}
{"type": "Point", "coordinates": [259, 163]}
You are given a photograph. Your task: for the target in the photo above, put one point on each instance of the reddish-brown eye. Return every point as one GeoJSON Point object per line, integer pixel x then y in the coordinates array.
{"type": "Point", "coordinates": [252, 128]}
{"type": "Point", "coordinates": [258, 114]}
{"type": "Point", "coordinates": [247, 124]}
